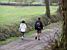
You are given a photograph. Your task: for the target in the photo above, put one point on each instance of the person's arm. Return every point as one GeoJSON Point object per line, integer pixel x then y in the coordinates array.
{"type": "Point", "coordinates": [25, 26]}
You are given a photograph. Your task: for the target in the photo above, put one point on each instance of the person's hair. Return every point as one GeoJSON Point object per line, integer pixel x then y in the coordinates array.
{"type": "Point", "coordinates": [23, 21]}
{"type": "Point", "coordinates": [38, 18]}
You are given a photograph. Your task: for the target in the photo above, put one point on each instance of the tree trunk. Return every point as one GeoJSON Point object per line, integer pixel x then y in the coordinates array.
{"type": "Point", "coordinates": [47, 8]}
{"type": "Point", "coordinates": [64, 10]}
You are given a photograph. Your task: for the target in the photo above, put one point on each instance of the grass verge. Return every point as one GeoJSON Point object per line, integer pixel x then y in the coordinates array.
{"type": "Point", "coordinates": [29, 34]}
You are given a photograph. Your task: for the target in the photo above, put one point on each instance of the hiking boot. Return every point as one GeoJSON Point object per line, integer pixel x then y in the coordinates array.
{"type": "Point", "coordinates": [35, 37]}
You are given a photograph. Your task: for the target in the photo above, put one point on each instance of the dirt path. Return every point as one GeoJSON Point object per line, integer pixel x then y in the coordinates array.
{"type": "Point", "coordinates": [50, 33]}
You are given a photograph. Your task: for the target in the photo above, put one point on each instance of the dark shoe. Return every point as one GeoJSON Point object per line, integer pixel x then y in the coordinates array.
{"type": "Point", "coordinates": [35, 37]}
{"type": "Point", "coordinates": [22, 39]}
{"type": "Point", "coordinates": [38, 39]}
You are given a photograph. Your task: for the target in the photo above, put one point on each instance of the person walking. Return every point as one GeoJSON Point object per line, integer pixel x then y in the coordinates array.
{"type": "Point", "coordinates": [23, 28]}
{"type": "Point", "coordinates": [38, 27]}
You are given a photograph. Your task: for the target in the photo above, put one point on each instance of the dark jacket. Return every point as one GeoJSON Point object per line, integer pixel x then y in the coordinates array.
{"type": "Point", "coordinates": [41, 25]}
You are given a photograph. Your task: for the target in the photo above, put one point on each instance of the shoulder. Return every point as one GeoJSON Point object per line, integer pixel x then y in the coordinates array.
{"type": "Point", "coordinates": [21, 23]}
{"type": "Point", "coordinates": [24, 23]}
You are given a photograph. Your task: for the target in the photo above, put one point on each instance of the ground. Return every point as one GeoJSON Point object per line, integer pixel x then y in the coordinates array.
{"type": "Point", "coordinates": [29, 43]}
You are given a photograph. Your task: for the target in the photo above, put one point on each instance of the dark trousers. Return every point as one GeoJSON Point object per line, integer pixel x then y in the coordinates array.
{"type": "Point", "coordinates": [22, 33]}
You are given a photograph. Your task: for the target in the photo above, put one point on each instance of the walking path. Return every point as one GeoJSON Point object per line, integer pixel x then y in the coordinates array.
{"type": "Point", "coordinates": [47, 37]}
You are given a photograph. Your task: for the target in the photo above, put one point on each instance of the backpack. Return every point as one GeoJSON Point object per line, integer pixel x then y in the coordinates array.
{"type": "Point", "coordinates": [38, 25]}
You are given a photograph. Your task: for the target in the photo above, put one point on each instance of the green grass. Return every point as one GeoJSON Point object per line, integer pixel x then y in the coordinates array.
{"type": "Point", "coordinates": [4, 0]}
{"type": "Point", "coordinates": [12, 14]}
{"type": "Point", "coordinates": [29, 34]}
{"type": "Point", "coordinates": [7, 1]}
{"type": "Point", "coordinates": [8, 40]}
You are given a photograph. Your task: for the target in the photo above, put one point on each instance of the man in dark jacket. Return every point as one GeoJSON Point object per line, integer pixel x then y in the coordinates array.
{"type": "Point", "coordinates": [38, 27]}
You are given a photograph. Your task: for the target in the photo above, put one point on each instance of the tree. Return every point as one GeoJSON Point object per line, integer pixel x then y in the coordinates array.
{"type": "Point", "coordinates": [9, 1]}
{"type": "Point", "coordinates": [25, 1]}
{"type": "Point", "coordinates": [15, 0]}
{"type": "Point", "coordinates": [64, 11]}
{"type": "Point", "coordinates": [47, 8]}
{"type": "Point", "coordinates": [31, 1]}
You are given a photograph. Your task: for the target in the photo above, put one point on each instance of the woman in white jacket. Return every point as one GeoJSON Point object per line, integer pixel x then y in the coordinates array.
{"type": "Point", "coordinates": [22, 28]}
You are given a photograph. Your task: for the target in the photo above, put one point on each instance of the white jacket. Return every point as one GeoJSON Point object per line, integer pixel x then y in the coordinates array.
{"type": "Point", "coordinates": [22, 27]}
